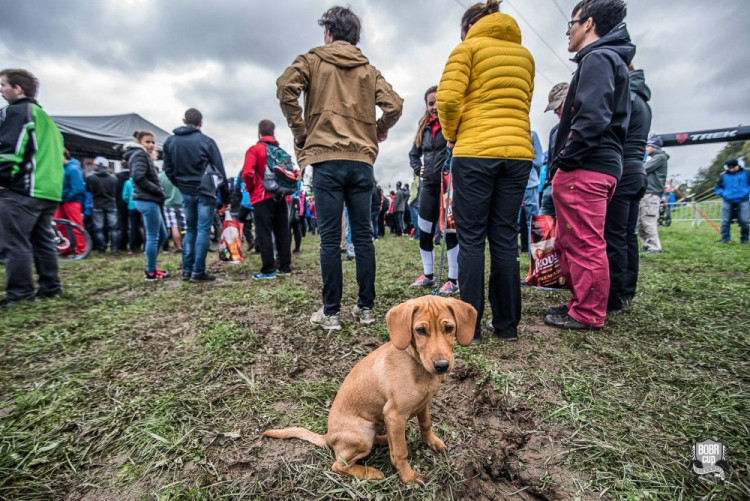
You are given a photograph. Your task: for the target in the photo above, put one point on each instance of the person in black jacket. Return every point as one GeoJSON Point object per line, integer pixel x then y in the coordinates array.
{"type": "Point", "coordinates": [103, 188]}
{"type": "Point", "coordinates": [148, 196]}
{"type": "Point", "coordinates": [588, 157]}
{"type": "Point", "coordinates": [622, 211]}
{"type": "Point", "coordinates": [427, 157]}
{"type": "Point", "coordinates": [187, 155]}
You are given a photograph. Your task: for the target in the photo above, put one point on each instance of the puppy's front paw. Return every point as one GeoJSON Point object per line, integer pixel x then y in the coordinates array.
{"type": "Point", "coordinates": [412, 476]}
{"type": "Point", "coordinates": [434, 443]}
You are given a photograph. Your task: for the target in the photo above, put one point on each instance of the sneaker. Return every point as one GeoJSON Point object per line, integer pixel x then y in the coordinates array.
{"type": "Point", "coordinates": [557, 310]}
{"type": "Point", "coordinates": [265, 276]}
{"type": "Point", "coordinates": [7, 303]}
{"type": "Point", "coordinates": [153, 277]}
{"type": "Point", "coordinates": [449, 289]}
{"type": "Point", "coordinates": [202, 277]}
{"type": "Point", "coordinates": [283, 273]}
{"type": "Point", "coordinates": [186, 276]}
{"type": "Point", "coordinates": [568, 322]}
{"type": "Point", "coordinates": [365, 315]}
{"type": "Point", "coordinates": [329, 323]}
{"type": "Point", "coordinates": [47, 294]}
{"type": "Point", "coordinates": [422, 281]}
{"type": "Point", "coordinates": [613, 311]}
{"type": "Point", "coordinates": [296, 251]}
{"type": "Point", "coordinates": [162, 274]}
{"type": "Point", "coordinates": [504, 335]}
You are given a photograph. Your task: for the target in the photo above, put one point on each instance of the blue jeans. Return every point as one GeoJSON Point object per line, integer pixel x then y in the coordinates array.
{"type": "Point", "coordinates": [337, 182]}
{"type": "Point", "coordinates": [742, 211]}
{"type": "Point", "coordinates": [548, 206]}
{"type": "Point", "coordinates": [374, 223]}
{"type": "Point", "coordinates": [414, 216]}
{"type": "Point", "coordinates": [156, 231]}
{"type": "Point", "coordinates": [100, 217]}
{"type": "Point", "coordinates": [199, 216]}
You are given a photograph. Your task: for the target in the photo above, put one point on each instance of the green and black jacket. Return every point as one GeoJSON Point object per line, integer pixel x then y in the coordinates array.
{"type": "Point", "coordinates": [31, 151]}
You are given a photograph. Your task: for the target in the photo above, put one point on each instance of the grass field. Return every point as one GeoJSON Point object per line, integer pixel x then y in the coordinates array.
{"type": "Point", "coordinates": [123, 389]}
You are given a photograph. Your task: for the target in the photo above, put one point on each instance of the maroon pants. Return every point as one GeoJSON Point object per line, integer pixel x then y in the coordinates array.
{"type": "Point", "coordinates": [581, 199]}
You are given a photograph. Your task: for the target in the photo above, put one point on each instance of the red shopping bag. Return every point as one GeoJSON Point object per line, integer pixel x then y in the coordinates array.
{"type": "Point", "coordinates": [545, 271]}
{"type": "Point", "coordinates": [230, 248]}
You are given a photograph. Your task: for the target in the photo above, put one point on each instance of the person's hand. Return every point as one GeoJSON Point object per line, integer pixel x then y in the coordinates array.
{"type": "Point", "coordinates": [451, 144]}
{"type": "Point", "coordinates": [382, 136]}
{"type": "Point", "coordinates": [421, 171]}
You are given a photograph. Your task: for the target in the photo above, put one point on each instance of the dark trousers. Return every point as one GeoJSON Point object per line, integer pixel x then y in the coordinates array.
{"type": "Point", "coordinates": [135, 237]}
{"type": "Point", "coordinates": [123, 224]}
{"type": "Point", "coordinates": [398, 221]}
{"type": "Point", "coordinates": [296, 232]}
{"type": "Point", "coordinates": [272, 217]}
{"type": "Point", "coordinates": [26, 235]}
{"type": "Point", "coordinates": [621, 235]}
{"type": "Point", "coordinates": [486, 197]}
{"type": "Point", "coordinates": [337, 182]}
{"type": "Point", "coordinates": [245, 217]}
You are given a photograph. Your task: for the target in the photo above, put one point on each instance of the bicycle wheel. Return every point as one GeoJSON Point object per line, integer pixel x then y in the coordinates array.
{"type": "Point", "coordinates": [68, 238]}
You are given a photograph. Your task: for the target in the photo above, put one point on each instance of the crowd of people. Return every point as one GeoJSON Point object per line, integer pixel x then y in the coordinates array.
{"type": "Point", "coordinates": [479, 172]}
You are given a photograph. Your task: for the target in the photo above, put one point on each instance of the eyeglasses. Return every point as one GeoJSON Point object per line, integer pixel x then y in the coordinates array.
{"type": "Point", "coordinates": [574, 21]}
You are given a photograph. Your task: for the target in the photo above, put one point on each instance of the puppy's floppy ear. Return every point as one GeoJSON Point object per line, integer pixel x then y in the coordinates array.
{"type": "Point", "coordinates": [466, 320]}
{"type": "Point", "coordinates": [399, 320]}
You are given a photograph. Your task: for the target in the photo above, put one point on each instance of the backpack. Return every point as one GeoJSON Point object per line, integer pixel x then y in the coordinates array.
{"type": "Point", "coordinates": [280, 175]}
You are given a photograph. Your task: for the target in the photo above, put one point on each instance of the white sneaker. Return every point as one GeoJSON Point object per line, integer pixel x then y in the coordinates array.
{"type": "Point", "coordinates": [329, 323]}
{"type": "Point", "coordinates": [365, 315]}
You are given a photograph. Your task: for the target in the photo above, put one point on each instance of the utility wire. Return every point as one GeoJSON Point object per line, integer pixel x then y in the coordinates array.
{"type": "Point", "coordinates": [562, 61]}
{"type": "Point", "coordinates": [459, 2]}
{"type": "Point", "coordinates": [564, 15]}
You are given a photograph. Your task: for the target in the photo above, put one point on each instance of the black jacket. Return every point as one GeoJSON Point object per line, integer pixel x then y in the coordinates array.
{"type": "Point", "coordinates": [103, 188]}
{"type": "Point", "coordinates": [640, 123]}
{"type": "Point", "coordinates": [595, 115]}
{"type": "Point", "coordinates": [186, 155]}
{"type": "Point", "coordinates": [122, 178]}
{"type": "Point", "coordinates": [377, 195]}
{"type": "Point", "coordinates": [434, 149]}
{"type": "Point", "coordinates": [146, 185]}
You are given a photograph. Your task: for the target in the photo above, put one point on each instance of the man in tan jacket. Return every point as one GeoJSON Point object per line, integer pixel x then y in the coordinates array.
{"type": "Point", "coordinates": [338, 135]}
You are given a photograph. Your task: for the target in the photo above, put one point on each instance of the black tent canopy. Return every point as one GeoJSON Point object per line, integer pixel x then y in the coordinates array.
{"type": "Point", "coordinates": [88, 137]}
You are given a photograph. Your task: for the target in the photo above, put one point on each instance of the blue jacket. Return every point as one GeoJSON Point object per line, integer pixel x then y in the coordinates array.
{"type": "Point", "coordinates": [127, 194]}
{"type": "Point", "coordinates": [74, 188]}
{"type": "Point", "coordinates": [239, 186]}
{"type": "Point", "coordinates": [734, 187]}
{"type": "Point", "coordinates": [536, 164]}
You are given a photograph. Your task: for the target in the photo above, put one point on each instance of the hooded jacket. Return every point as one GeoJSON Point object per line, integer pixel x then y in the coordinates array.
{"type": "Point", "coordinates": [31, 151]}
{"type": "Point", "coordinates": [433, 151]}
{"type": "Point", "coordinates": [341, 89]}
{"type": "Point", "coordinates": [484, 95]}
{"type": "Point", "coordinates": [74, 188]}
{"type": "Point", "coordinates": [122, 178]}
{"type": "Point", "coordinates": [639, 124]}
{"type": "Point", "coordinates": [146, 185]}
{"type": "Point", "coordinates": [595, 115]}
{"type": "Point", "coordinates": [733, 187]}
{"type": "Point", "coordinates": [103, 188]}
{"type": "Point", "coordinates": [186, 156]}
{"type": "Point", "coordinates": [656, 172]}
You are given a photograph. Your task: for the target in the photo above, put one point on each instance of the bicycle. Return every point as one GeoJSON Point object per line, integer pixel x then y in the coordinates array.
{"type": "Point", "coordinates": [66, 234]}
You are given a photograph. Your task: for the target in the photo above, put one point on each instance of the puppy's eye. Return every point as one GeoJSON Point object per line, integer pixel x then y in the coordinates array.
{"type": "Point", "coordinates": [448, 329]}
{"type": "Point", "coordinates": [421, 331]}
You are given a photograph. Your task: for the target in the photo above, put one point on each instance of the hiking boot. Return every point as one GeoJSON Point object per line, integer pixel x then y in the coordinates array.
{"type": "Point", "coordinates": [422, 281]}
{"type": "Point", "coordinates": [365, 315]}
{"type": "Point", "coordinates": [557, 310]}
{"type": "Point", "coordinates": [568, 322]}
{"type": "Point", "coordinates": [449, 288]}
{"type": "Point", "coordinates": [202, 277]}
{"type": "Point", "coordinates": [264, 276]}
{"type": "Point", "coordinates": [329, 323]}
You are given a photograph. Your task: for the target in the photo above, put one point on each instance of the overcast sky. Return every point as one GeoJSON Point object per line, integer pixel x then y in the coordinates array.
{"type": "Point", "coordinates": [160, 57]}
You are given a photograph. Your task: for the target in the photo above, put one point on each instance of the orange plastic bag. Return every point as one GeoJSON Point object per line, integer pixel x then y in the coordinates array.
{"type": "Point", "coordinates": [230, 248]}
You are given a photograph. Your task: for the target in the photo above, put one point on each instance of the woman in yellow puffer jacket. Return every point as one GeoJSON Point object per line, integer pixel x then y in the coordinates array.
{"type": "Point", "coordinates": [483, 103]}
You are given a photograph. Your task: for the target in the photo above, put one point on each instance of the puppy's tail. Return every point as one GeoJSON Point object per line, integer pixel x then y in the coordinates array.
{"type": "Point", "coordinates": [301, 433]}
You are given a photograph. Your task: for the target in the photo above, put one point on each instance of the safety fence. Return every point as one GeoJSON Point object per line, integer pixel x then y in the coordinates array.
{"type": "Point", "coordinates": [694, 212]}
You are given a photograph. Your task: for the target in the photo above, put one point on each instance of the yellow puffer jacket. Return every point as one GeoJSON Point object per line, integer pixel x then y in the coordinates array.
{"type": "Point", "coordinates": [484, 95]}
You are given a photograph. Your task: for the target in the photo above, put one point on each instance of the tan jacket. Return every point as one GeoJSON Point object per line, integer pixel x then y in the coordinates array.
{"type": "Point", "coordinates": [341, 91]}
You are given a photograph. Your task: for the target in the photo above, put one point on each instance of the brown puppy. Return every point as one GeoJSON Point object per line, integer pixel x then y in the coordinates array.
{"type": "Point", "coordinates": [393, 384]}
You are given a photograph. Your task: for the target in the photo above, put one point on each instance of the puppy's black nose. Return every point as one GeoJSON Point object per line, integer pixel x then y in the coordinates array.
{"type": "Point", "coordinates": [440, 366]}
